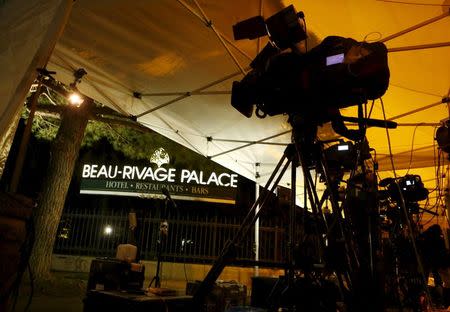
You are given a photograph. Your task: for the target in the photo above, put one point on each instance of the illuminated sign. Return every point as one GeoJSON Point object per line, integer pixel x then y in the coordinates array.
{"type": "Point", "coordinates": [147, 181]}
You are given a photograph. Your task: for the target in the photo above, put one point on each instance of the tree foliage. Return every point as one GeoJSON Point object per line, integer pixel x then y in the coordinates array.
{"type": "Point", "coordinates": [45, 128]}
{"type": "Point", "coordinates": [134, 144]}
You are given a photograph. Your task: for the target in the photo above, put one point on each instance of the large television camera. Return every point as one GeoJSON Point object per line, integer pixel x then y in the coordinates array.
{"type": "Point", "coordinates": [338, 73]}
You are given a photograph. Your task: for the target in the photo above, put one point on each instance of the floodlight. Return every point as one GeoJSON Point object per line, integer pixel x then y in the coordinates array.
{"type": "Point", "coordinates": [75, 99]}
{"type": "Point", "coordinates": [108, 230]}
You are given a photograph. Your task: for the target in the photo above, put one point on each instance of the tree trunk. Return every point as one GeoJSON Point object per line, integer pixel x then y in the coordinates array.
{"type": "Point", "coordinates": [63, 155]}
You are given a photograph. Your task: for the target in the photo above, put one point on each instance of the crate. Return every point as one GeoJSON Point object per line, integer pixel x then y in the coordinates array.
{"type": "Point", "coordinates": [223, 296]}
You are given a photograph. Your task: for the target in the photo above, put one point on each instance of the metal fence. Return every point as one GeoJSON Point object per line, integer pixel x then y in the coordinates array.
{"type": "Point", "coordinates": [195, 237]}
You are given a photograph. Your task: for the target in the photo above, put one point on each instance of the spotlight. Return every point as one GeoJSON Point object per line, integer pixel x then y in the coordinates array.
{"type": "Point", "coordinates": [108, 230]}
{"type": "Point", "coordinates": [75, 99]}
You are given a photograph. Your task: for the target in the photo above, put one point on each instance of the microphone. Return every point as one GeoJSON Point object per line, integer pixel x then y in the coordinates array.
{"type": "Point", "coordinates": [372, 122]}
{"type": "Point", "coordinates": [165, 191]}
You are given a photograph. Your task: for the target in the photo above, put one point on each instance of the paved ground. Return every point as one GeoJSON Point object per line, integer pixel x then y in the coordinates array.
{"type": "Point", "coordinates": [64, 292]}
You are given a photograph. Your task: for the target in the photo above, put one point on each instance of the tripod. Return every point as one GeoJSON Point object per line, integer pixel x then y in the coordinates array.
{"type": "Point", "coordinates": [162, 236]}
{"type": "Point", "coordinates": [300, 152]}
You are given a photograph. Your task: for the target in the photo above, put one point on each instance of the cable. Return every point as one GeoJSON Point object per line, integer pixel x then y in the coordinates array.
{"type": "Point", "coordinates": [380, 35]}
{"type": "Point", "coordinates": [434, 156]}
{"type": "Point", "coordinates": [412, 149]}
{"type": "Point", "coordinates": [441, 189]}
{"type": "Point", "coordinates": [439, 176]}
{"type": "Point", "coordinates": [48, 97]}
{"type": "Point", "coordinates": [413, 3]}
{"type": "Point", "coordinates": [184, 267]}
{"type": "Point", "coordinates": [306, 32]}
{"type": "Point", "coordinates": [438, 189]}
{"type": "Point", "coordinates": [389, 140]}
{"type": "Point", "coordinates": [415, 90]}
{"type": "Point", "coordinates": [371, 108]}
{"type": "Point", "coordinates": [184, 251]}
{"type": "Point", "coordinates": [113, 129]}
{"type": "Point", "coordinates": [412, 238]}
{"type": "Point", "coordinates": [434, 216]}
{"type": "Point", "coordinates": [375, 164]}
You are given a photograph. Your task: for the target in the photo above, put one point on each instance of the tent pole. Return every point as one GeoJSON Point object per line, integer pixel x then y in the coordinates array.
{"type": "Point", "coordinates": [421, 124]}
{"type": "Point", "coordinates": [71, 68]}
{"type": "Point", "coordinates": [257, 223]}
{"type": "Point", "coordinates": [420, 47]}
{"type": "Point", "coordinates": [249, 144]}
{"type": "Point", "coordinates": [210, 24]}
{"type": "Point", "coordinates": [187, 94]}
{"type": "Point", "coordinates": [67, 66]}
{"type": "Point", "coordinates": [444, 100]}
{"type": "Point", "coordinates": [420, 25]}
{"type": "Point", "coordinates": [219, 35]}
{"type": "Point", "coordinates": [235, 46]}
{"type": "Point", "coordinates": [206, 22]}
{"type": "Point", "coordinates": [252, 142]}
{"type": "Point", "coordinates": [116, 106]}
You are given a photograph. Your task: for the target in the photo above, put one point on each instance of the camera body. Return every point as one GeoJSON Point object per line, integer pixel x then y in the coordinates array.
{"type": "Point", "coordinates": [412, 189]}
{"type": "Point", "coordinates": [338, 73]}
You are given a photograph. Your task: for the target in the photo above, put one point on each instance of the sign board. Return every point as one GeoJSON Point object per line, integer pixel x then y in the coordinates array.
{"type": "Point", "coordinates": [126, 180]}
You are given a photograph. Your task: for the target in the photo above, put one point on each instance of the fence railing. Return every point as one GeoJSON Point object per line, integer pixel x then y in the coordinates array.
{"type": "Point", "coordinates": [192, 237]}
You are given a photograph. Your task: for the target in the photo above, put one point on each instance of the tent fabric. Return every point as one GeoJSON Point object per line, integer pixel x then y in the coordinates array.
{"type": "Point", "coordinates": [176, 55]}
{"type": "Point", "coordinates": [29, 33]}
{"type": "Point", "coordinates": [160, 46]}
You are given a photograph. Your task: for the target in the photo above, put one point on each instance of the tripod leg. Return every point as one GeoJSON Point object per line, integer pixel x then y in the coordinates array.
{"type": "Point", "coordinates": [228, 252]}
{"type": "Point", "coordinates": [312, 195]}
{"type": "Point", "coordinates": [413, 242]}
{"type": "Point", "coordinates": [162, 237]}
{"type": "Point", "coordinates": [156, 278]}
{"type": "Point", "coordinates": [337, 211]}
{"type": "Point", "coordinates": [292, 221]}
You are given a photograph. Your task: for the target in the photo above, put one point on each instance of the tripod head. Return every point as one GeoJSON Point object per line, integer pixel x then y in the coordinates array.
{"type": "Point", "coordinates": [304, 133]}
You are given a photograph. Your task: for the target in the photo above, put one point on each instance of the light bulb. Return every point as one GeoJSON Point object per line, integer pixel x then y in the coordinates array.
{"type": "Point", "coordinates": [75, 99]}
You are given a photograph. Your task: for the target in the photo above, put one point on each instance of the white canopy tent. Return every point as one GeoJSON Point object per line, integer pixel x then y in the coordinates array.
{"type": "Point", "coordinates": [171, 63]}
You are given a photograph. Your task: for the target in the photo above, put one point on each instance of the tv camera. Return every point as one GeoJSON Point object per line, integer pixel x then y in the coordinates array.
{"type": "Point", "coordinates": [411, 187]}
{"type": "Point", "coordinates": [338, 73]}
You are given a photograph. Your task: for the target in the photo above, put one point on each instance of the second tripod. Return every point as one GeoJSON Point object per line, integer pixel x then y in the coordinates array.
{"type": "Point", "coordinates": [304, 151]}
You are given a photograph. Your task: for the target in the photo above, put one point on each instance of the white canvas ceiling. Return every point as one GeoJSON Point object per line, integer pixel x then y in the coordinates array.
{"type": "Point", "coordinates": [165, 50]}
